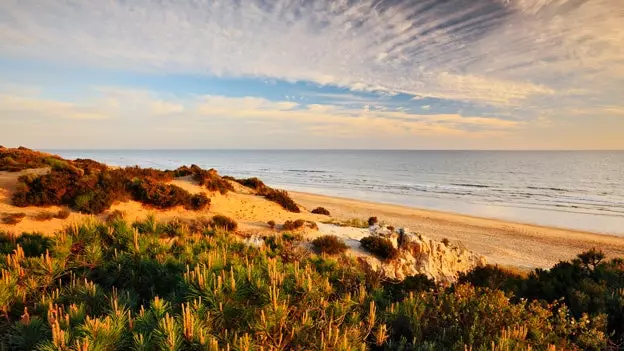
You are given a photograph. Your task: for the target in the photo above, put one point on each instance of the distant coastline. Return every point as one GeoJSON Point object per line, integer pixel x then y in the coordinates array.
{"type": "Point", "coordinates": [579, 190]}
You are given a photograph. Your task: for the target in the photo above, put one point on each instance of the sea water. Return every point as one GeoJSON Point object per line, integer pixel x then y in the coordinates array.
{"type": "Point", "coordinates": [570, 189]}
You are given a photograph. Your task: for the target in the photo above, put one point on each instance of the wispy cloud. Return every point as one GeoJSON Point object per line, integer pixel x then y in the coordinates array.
{"type": "Point", "coordinates": [493, 52]}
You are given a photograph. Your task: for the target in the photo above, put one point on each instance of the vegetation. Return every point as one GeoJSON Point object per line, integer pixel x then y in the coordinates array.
{"type": "Point", "coordinates": [293, 225]}
{"type": "Point", "coordinates": [15, 160]}
{"type": "Point", "coordinates": [12, 218]}
{"type": "Point", "coordinates": [280, 197]}
{"type": "Point", "coordinates": [211, 180]}
{"type": "Point", "coordinates": [271, 224]}
{"type": "Point", "coordinates": [329, 244]}
{"type": "Point", "coordinates": [380, 247]}
{"type": "Point", "coordinates": [224, 223]}
{"type": "Point", "coordinates": [120, 286]}
{"type": "Point", "coordinates": [321, 211]}
{"type": "Point", "coordinates": [372, 221]}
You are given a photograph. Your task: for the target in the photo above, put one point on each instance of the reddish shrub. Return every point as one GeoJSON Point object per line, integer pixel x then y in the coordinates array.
{"type": "Point", "coordinates": [199, 202]}
{"type": "Point", "coordinates": [271, 224]}
{"type": "Point", "coordinates": [290, 225]}
{"type": "Point", "coordinates": [282, 198]}
{"type": "Point", "coordinates": [372, 221]}
{"type": "Point", "coordinates": [321, 211]}
{"type": "Point", "coordinates": [253, 183]}
{"type": "Point", "coordinates": [211, 180]}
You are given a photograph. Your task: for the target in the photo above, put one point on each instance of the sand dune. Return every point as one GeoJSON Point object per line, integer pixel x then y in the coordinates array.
{"type": "Point", "coordinates": [500, 242]}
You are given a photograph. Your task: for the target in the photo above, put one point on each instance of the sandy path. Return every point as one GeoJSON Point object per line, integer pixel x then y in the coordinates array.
{"type": "Point", "coordinates": [501, 242]}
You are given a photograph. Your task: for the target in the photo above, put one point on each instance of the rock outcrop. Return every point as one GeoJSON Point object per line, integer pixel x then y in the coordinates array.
{"type": "Point", "coordinates": [421, 255]}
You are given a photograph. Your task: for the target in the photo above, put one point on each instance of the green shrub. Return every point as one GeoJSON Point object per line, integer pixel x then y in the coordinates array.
{"type": "Point", "coordinates": [224, 223]}
{"type": "Point", "coordinates": [329, 244]}
{"type": "Point", "coordinates": [379, 247]}
{"type": "Point", "coordinates": [282, 198]}
{"type": "Point", "coordinates": [158, 195]}
{"type": "Point", "coordinates": [293, 225]}
{"type": "Point", "coordinates": [321, 211]}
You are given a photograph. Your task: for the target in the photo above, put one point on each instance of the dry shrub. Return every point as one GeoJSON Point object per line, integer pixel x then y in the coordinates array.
{"type": "Point", "coordinates": [253, 183]}
{"type": "Point", "coordinates": [224, 223]}
{"type": "Point", "coordinates": [372, 221]}
{"type": "Point", "coordinates": [198, 202]}
{"type": "Point", "coordinates": [271, 224]}
{"type": "Point", "coordinates": [293, 225]}
{"type": "Point", "coordinates": [62, 214]}
{"type": "Point", "coordinates": [379, 247]}
{"type": "Point", "coordinates": [13, 218]}
{"type": "Point", "coordinates": [329, 244]}
{"type": "Point", "coordinates": [321, 211]}
{"type": "Point", "coordinates": [446, 242]}
{"type": "Point", "coordinates": [44, 216]}
{"type": "Point", "coordinates": [282, 198]}
{"type": "Point", "coordinates": [211, 180]}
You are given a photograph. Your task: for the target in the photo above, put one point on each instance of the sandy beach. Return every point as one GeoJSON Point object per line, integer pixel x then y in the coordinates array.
{"type": "Point", "coordinates": [501, 242]}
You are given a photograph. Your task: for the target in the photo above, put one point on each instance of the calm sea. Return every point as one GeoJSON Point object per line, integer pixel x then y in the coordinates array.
{"type": "Point", "coordinates": [570, 189]}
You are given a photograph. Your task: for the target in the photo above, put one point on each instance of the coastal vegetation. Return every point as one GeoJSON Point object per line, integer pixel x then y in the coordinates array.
{"type": "Point", "coordinates": [379, 246]}
{"type": "Point", "coordinates": [121, 285]}
{"type": "Point", "coordinates": [329, 244]}
{"type": "Point", "coordinates": [321, 211]}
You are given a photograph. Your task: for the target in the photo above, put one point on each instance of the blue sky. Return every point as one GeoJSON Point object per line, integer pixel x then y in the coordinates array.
{"type": "Point", "coordinates": [413, 74]}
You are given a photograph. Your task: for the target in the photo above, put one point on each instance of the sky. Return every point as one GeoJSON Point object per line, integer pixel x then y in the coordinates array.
{"type": "Point", "coordinates": [312, 74]}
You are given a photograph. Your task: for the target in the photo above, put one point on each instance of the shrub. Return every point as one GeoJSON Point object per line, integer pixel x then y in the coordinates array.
{"type": "Point", "coordinates": [44, 216]}
{"type": "Point", "coordinates": [282, 198]}
{"type": "Point", "coordinates": [224, 223]}
{"type": "Point", "coordinates": [391, 228]}
{"type": "Point", "coordinates": [379, 247]}
{"type": "Point", "coordinates": [15, 160]}
{"type": "Point", "coordinates": [199, 202]}
{"type": "Point", "coordinates": [321, 211]}
{"type": "Point", "coordinates": [446, 242]}
{"type": "Point", "coordinates": [162, 196]}
{"type": "Point", "coordinates": [211, 180]}
{"type": "Point", "coordinates": [271, 224]}
{"type": "Point", "coordinates": [372, 221]}
{"type": "Point", "coordinates": [62, 214]}
{"type": "Point", "coordinates": [329, 244]}
{"type": "Point", "coordinates": [12, 218]}
{"type": "Point", "coordinates": [253, 183]}
{"type": "Point", "coordinates": [293, 225]}
{"type": "Point", "coordinates": [115, 216]}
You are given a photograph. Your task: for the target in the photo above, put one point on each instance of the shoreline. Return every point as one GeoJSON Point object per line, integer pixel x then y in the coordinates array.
{"type": "Point", "coordinates": [502, 242]}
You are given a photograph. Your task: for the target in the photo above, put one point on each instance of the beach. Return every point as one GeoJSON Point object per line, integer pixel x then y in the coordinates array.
{"type": "Point", "coordinates": [501, 242]}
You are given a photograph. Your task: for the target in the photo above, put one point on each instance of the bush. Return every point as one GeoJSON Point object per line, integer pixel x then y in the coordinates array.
{"type": "Point", "coordinates": [282, 198]}
{"type": "Point", "coordinates": [224, 223]}
{"type": "Point", "coordinates": [253, 183]}
{"type": "Point", "coordinates": [379, 247]}
{"type": "Point", "coordinates": [372, 221]}
{"type": "Point", "coordinates": [329, 244]}
{"type": "Point", "coordinates": [62, 214]}
{"type": "Point", "coordinates": [321, 211]}
{"type": "Point", "coordinates": [12, 218]}
{"type": "Point", "coordinates": [44, 216]}
{"type": "Point", "coordinates": [211, 180]}
{"type": "Point", "coordinates": [271, 224]}
{"type": "Point", "coordinates": [161, 196]}
{"type": "Point", "coordinates": [446, 242]}
{"type": "Point", "coordinates": [199, 202]}
{"type": "Point", "coordinates": [15, 160]}
{"type": "Point", "coordinates": [293, 225]}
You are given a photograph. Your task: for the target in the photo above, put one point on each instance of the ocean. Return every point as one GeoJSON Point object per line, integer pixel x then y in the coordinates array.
{"type": "Point", "coordinates": [581, 190]}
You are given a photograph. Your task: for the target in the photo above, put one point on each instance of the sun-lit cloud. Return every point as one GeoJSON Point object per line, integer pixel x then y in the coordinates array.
{"type": "Point", "coordinates": [486, 51]}
{"type": "Point", "coordinates": [522, 69]}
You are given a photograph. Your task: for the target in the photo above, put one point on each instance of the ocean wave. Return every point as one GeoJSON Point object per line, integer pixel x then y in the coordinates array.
{"type": "Point", "coordinates": [471, 185]}
{"type": "Point", "coordinates": [306, 171]}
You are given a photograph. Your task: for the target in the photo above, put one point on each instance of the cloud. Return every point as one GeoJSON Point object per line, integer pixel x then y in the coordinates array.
{"type": "Point", "coordinates": [504, 53]}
